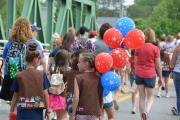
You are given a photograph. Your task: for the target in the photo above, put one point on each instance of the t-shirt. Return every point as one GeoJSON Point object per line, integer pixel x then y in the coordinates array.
{"type": "Point", "coordinates": [177, 66]}
{"type": "Point", "coordinates": [169, 47]}
{"type": "Point", "coordinates": [55, 51]}
{"type": "Point", "coordinates": [100, 47]}
{"type": "Point", "coordinates": [108, 98]}
{"type": "Point", "coordinates": [146, 56]}
{"type": "Point", "coordinates": [5, 51]}
{"type": "Point", "coordinates": [131, 60]}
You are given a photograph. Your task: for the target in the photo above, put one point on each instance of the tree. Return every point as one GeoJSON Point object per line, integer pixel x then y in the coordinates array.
{"type": "Point", "coordinates": [110, 8]}
{"type": "Point", "coordinates": [164, 18]}
{"type": "Point", "coordinates": [142, 8]}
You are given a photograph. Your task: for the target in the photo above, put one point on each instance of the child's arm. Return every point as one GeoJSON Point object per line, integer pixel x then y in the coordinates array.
{"type": "Point", "coordinates": [75, 99]}
{"type": "Point", "coordinates": [14, 101]}
{"type": "Point", "coordinates": [46, 96]}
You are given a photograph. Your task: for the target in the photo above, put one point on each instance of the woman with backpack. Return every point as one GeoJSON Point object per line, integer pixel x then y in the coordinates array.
{"type": "Point", "coordinates": [14, 53]}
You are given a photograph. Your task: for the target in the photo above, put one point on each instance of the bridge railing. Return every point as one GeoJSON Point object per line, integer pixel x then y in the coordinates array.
{"type": "Point", "coordinates": [70, 13]}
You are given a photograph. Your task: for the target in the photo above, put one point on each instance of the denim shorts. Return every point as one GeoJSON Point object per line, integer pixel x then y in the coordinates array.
{"type": "Point", "coordinates": [132, 78]}
{"type": "Point", "coordinates": [147, 82]}
{"type": "Point", "coordinates": [107, 105]}
{"type": "Point", "coordinates": [165, 73]}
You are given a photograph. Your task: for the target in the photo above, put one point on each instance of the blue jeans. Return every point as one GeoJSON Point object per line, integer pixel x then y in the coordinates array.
{"type": "Point", "coordinates": [176, 77]}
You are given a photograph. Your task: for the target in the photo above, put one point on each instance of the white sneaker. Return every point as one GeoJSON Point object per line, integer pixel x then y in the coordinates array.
{"type": "Point", "coordinates": [168, 95]}
{"type": "Point", "coordinates": [159, 94]}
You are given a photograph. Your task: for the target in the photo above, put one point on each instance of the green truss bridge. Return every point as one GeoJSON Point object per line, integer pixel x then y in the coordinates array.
{"type": "Point", "coordinates": [56, 16]}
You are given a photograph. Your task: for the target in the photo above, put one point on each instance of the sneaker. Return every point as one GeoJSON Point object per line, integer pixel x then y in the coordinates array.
{"type": "Point", "coordinates": [145, 116]}
{"type": "Point", "coordinates": [175, 112]}
{"type": "Point", "coordinates": [133, 112]}
{"type": "Point", "coordinates": [159, 95]}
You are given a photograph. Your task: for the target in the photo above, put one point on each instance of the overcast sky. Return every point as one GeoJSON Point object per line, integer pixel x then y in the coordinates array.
{"type": "Point", "coordinates": [129, 2]}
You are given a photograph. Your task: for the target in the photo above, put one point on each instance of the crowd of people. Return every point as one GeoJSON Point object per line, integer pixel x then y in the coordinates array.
{"type": "Point", "coordinates": [69, 88]}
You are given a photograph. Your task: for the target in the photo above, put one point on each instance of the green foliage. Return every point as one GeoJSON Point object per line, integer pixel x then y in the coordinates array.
{"type": "Point", "coordinates": [164, 17]}
{"type": "Point", "coordinates": [137, 11]}
{"type": "Point", "coordinates": [3, 11]}
{"type": "Point", "coordinates": [107, 13]}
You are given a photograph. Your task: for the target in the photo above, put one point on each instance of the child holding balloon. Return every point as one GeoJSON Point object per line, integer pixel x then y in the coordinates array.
{"type": "Point", "coordinates": [88, 98]}
{"type": "Point", "coordinates": [134, 89]}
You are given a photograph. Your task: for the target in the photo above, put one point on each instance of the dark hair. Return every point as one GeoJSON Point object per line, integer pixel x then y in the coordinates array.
{"type": "Point", "coordinates": [82, 30]}
{"type": "Point", "coordinates": [103, 29]}
{"type": "Point", "coordinates": [88, 57]}
{"type": "Point", "coordinates": [165, 57]}
{"type": "Point", "coordinates": [74, 59]}
{"type": "Point", "coordinates": [32, 53]}
{"type": "Point", "coordinates": [68, 39]}
{"type": "Point", "coordinates": [62, 58]}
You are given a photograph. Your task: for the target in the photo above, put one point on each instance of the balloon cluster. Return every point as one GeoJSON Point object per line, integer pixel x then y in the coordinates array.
{"type": "Point", "coordinates": [124, 34]}
{"type": "Point", "coordinates": [14, 68]}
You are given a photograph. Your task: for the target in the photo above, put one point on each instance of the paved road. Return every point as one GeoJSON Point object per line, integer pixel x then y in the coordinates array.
{"type": "Point", "coordinates": [161, 109]}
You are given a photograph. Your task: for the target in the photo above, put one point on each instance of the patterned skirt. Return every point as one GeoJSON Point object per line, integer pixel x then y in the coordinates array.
{"type": "Point", "coordinates": [57, 102]}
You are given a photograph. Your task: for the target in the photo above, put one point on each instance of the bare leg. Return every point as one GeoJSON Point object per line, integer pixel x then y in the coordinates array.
{"type": "Point", "coordinates": [110, 113]}
{"type": "Point", "coordinates": [135, 97]}
{"type": "Point", "coordinates": [61, 115]}
{"type": "Point", "coordinates": [150, 98]}
{"type": "Point", "coordinates": [141, 99]}
{"type": "Point", "coordinates": [166, 85]}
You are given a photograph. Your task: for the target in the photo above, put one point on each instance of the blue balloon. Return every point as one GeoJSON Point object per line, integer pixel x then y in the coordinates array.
{"type": "Point", "coordinates": [124, 25]}
{"type": "Point", "coordinates": [110, 81]}
{"type": "Point", "coordinates": [110, 49]}
{"type": "Point", "coordinates": [105, 92]}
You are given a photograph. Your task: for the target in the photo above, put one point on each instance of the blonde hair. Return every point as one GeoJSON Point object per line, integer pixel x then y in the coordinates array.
{"type": "Point", "coordinates": [169, 38]}
{"type": "Point", "coordinates": [72, 30]}
{"type": "Point", "coordinates": [149, 35]}
{"type": "Point", "coordinates": [21, 31]}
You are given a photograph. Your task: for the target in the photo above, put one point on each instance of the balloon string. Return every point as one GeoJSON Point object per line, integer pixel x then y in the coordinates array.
{"type": "Point", "coordinates": [122, 41]}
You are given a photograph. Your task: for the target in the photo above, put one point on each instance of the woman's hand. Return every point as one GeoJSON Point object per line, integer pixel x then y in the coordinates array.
{"type": "Point", "coordinates": [162, 82]}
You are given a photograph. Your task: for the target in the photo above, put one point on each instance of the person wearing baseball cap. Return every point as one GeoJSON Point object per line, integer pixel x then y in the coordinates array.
{"type": "Point", "coordinates": [93, 36]}
{"type": "Point", "coordinates": [35, 29]}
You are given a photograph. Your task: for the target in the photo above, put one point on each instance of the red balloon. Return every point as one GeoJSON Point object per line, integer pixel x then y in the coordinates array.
{"type": "Point", "coordinates": [103, 62]}
{"type": "Point", "coordinates": [134, 39]}
{"type": "Point", "coordinates": [113, 38]}
{"type": "Point", "coordinates": [120, 58]}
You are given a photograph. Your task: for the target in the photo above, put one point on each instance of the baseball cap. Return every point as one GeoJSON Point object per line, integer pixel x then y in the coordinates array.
{"type": "Point", "coordinates": [93, 33]}
{"type": "Point", "coordinates": [34, 27]}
